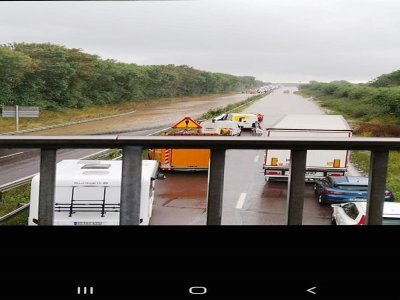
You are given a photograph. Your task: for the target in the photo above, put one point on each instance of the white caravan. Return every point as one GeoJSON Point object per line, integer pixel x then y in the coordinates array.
{"type": "Point", "coordinates": [88, 192]}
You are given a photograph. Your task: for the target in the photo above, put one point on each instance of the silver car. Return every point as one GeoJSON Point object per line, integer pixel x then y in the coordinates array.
{"type": "Point", "coordinates": [354, 213]}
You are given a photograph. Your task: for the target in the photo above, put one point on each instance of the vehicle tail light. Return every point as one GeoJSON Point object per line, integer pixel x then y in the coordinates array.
{"type": "Point", "coordinates": [362, 220]}
{"type": "Point", "coordinates": [274, 172]}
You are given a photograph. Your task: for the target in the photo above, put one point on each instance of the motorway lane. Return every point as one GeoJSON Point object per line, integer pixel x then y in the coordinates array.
{"type": "Point", "coordinates": [248, 199]}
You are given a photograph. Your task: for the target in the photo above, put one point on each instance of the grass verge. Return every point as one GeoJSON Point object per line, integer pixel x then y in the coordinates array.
{"type": "Point", "coordinates": [13, 199]}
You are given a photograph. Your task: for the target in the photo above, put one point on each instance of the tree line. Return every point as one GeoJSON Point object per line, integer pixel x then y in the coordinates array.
{"type": "Point", "coordinates": [55, 77]}
{"type": "Point", "coordinates": [379, 97]}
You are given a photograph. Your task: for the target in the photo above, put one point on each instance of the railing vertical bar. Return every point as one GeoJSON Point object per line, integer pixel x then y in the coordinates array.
{"type": "Point", "coordinates": [296, 184]}
{"type": "Point", "coordinates": [47, 186]}
{"type": "Point", "coordinates": [215, 186]}
{"type": "Point", "coordinates": [131, 185]}
{"type": "Point", "coordinates": [377, 185]}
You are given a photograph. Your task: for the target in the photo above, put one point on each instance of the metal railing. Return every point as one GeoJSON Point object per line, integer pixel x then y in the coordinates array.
{"type": "Point", "coordinates": [132, 156]}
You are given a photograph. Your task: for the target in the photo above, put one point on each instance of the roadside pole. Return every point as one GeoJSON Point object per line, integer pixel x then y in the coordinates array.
{"type": "Point", "coordinates": [16, 118]}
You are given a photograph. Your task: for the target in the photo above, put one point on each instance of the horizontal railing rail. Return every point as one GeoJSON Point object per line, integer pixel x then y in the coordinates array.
{"type": "Point", "coordinates": [204, 142]}
{"type": "Point", "coordinates": [131, 167]}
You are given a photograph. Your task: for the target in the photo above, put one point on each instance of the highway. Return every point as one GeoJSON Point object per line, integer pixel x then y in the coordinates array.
{"type": "Point", "coordinates": [248, 199]}
{"type": "Point", "coordinates": [181, 198]}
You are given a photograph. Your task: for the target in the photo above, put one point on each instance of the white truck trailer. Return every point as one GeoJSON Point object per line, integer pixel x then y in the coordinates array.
{"type": "Point", "coordinates": [320, 163]}
{"type": "Point", "coordinates": [88, 192]}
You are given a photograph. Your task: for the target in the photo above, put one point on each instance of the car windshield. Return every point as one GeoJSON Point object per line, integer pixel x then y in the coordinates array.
{"type": "Point", "coordinates": [390, 221]}
{"type": "Point", "coordinates": [352, 187]}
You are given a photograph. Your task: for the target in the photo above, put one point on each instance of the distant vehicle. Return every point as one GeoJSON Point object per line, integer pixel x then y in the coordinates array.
{"type": "Point", "coordinates": [88, 192]}
{"type": "Point", "coordinates": [320, 163]}
{"type": "Point", "coordinates": [245, 121]}
{"type": "Point", "coordinates": [221, 127]}
{"type": "Point", "coordinates": [260, 117]}
{"type": "Point", "coordinates": [354, 213]}
{"type": "Point", "coordinates": [222, 117]}
{"type": "Point", "coordinates": [339, 189]}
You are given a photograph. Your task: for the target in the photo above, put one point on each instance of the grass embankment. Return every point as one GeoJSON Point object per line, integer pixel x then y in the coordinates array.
{"type": "Point", "coordinates": [68, 115]}
{"type": "Point", "coordinates": [13, 199]}
{"type": "Point", "coordinates": [231, 108]}
{"type": "Point", "coordinates": [367, 120]}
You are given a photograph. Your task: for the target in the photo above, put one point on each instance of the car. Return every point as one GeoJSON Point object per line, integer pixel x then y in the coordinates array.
{"type": "Point", "coordinates": [354, 213]}
{"type": "Point", "coordinates": [340, 189]}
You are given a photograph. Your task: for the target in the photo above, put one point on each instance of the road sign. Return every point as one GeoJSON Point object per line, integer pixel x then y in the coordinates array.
{"type": "Point", "coordinates": [23, 111]}
{"type": "Point", "coordinates": [187, 122]}
{"type": "Point", "coordinates": [19, 111]}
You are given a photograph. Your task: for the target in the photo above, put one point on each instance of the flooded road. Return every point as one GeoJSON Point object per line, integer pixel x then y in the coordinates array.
{"type": "Point", "coordinates": [149, 117]}
{"type": "Point", "coordinates": [248, 199]}
{"type": "Point", "coordinates": [181, 197]}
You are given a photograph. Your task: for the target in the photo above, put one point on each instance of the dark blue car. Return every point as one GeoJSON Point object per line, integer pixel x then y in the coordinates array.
{"type": "Point", "coordinates": [339, 189]}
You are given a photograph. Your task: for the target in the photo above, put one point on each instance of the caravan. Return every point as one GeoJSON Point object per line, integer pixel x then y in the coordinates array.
{"type": "Point", "coordinates": [88, 192]}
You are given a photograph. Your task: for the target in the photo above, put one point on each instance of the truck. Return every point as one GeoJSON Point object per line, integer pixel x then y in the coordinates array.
{"type": "Point", "coordinates": [320, 163]}
{"type": "Point", "coordinates": [188, 159]}
{"type": "Point", "coordinates": [88, 192]}
{"type": "Point", "coordinates": [245, 121]}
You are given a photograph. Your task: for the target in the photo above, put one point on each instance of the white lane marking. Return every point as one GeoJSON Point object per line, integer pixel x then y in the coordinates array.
{"type": "Point", "coordinates": [165, 129]}
{"type": "Point", "coordinates": [11, 155]}
{"type": "Point", "coordinates": [256, 158]}
{"type": "Point", "coordinates": [240, 202]}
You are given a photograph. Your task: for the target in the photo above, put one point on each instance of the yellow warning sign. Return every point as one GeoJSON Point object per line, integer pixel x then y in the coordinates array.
{"type": "Point", "coordinates": [186, 122]}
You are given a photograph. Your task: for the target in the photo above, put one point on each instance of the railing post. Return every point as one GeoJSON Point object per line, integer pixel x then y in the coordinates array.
{"type": "Point", "coordinates": [131, 185]}
{"type": "Point", "coordinates": [47, 184]}
{"type": "Point", "coordinates": [295, 194]}
{"type": "Point", "coordinates": [215, 186]}
{"type": "Point", "coordinates": [377, 186]}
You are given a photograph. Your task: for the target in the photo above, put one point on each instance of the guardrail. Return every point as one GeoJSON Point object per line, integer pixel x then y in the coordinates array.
{"type": "Point", "coordinates": [131, 167]}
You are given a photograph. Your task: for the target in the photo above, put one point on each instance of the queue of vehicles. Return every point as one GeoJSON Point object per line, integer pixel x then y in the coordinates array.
{"type": "Point", "coordinates": [88, 192]}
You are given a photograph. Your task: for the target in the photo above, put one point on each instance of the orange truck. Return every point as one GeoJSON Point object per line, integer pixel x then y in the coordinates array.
{"type": "Point", "coordinates": [184, 159]}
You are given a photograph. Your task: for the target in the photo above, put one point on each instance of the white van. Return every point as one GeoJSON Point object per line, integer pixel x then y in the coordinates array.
{"type": "Point", "coordinates": [219, 127]}
{"type": "Point", "coordinates": [245, 121]}
{"type": "Point", "coordinates": [88, 192]}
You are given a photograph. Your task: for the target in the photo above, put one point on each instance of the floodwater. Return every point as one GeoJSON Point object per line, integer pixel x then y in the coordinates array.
{"type": "Point", "coordinates": [150, 117]}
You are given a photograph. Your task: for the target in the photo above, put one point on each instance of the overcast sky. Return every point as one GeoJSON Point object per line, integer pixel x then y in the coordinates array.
{"type": "Point", "coordinates": [273, 40]}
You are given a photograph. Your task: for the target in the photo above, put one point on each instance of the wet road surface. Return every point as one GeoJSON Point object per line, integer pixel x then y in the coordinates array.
{"type": "Point", "coordinates": [248, 199]}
